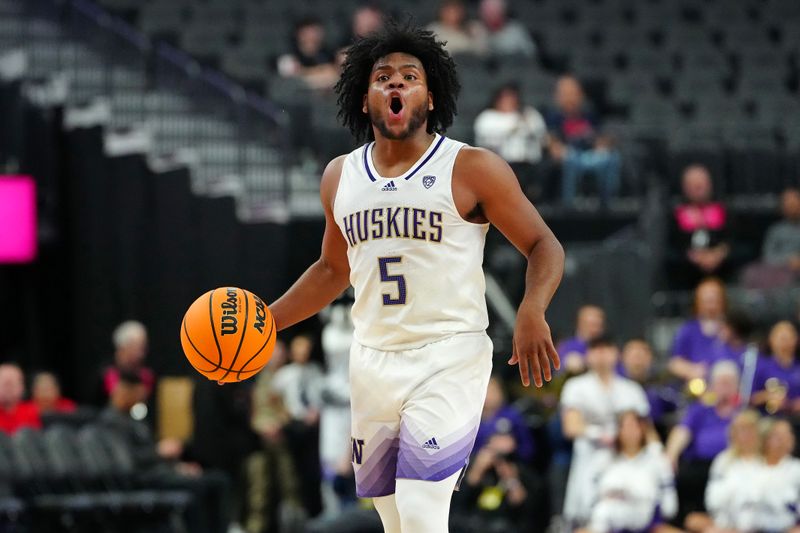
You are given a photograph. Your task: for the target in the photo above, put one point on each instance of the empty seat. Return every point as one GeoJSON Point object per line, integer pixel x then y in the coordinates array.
{"type": "Point", "coordinates": [204, 41]}
{"type": "Point", "coordinates": [159, 18]}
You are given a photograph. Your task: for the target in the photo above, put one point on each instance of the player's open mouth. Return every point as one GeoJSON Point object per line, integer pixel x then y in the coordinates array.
{"type": "Point", "coordinates": [395, 107]}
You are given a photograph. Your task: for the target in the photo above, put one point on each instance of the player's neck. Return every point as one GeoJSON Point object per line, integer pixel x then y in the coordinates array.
{"type": "Point", "coordinates": [391, 152]}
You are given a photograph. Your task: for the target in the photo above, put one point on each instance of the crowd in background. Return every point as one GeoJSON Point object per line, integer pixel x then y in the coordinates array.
{"type": "Point", "coordinates": [617, 441]}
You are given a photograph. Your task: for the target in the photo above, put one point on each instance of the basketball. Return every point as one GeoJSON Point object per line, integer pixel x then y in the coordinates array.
{"type": "Point", "coordinates": [228, 334]}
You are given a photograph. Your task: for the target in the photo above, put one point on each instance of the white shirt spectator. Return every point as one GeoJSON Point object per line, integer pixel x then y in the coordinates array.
{"type": "Point", "coordinates": [632, 489]}
{"type": "Point", "coordinates": [591, 452]}
{"type": "Point", "coordinates": [337, 337]}
{"type": "Point", "coordinates": [516, 136]}
{"type": "Point", "coordinates": [300, 387]}
{"type": "Point", "coordinates": [779, 486]}
{"type": "Point", "coordinates": [733, 495]}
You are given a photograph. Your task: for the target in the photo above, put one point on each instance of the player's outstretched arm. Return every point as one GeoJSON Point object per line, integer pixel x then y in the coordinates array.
{"type": "Point", "coordinates": [329, 275]}
{"type": "Point", "coordinates": [488, 183]}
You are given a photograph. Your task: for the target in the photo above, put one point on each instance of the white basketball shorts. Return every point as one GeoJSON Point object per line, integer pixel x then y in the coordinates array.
{"type": "Point", "coordinates": [415, 413]}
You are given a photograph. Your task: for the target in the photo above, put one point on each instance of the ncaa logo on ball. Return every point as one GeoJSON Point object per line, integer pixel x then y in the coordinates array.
{"type": "Point", "coordinates": [428, 181]}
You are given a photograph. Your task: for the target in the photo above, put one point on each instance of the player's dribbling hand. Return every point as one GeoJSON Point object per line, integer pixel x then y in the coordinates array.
{"type": "Point", "coordinates": [533, 348]}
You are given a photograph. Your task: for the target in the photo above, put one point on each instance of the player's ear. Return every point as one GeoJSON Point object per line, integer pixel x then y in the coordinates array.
{"type": "Point", "coordinates": [364, 105]}
{"type": "Point", "coordinates": [430, 101]}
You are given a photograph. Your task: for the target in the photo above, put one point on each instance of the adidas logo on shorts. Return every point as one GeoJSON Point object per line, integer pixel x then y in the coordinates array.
{"type": "Point", "coordinates": [389, 186]}
{"type": "Point", "coordinates": [431, 444]}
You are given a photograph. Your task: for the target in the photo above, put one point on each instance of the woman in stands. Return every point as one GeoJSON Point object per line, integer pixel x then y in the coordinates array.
{"type": "Point", "coordinates": [732, 495]}
{"type": "Point", "coordinates": [780, 479]}
{"type": "Point", "coordinates": [637, 490]}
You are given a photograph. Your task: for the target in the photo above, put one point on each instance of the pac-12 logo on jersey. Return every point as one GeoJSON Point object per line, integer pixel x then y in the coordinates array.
{"type": "Point", "coordinates": [428, 181]}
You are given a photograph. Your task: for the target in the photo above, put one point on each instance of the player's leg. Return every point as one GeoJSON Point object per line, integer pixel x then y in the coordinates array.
{"type": "Point", "coordinates": [439, 421]}
{"type": "Point", "coordinates": [377, 383]}
{"type": "Point", "coordinates": [425, 505]}
{"type": "Point", "coordinates": [387, 510]}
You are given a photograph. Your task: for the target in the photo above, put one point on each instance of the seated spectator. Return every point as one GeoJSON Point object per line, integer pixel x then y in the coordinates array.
{"type": "Point", "coordinates": [733, 494]}
{"type": "Point", "coordinates": [782, 241]}
{"type": "Point", "coordinates": [502, 420]}
{"type": "Point", "coordinates": [702, 435]}
{"type": "Point", "coordinates": [309, 58]}
{"type": "Point", "coordinates": [776, 385]}
{"type": "Point", "coordinates": [589, 325]}
{"type": "Point", "coordinates": [499, 491]}
{"type": "Point", "coordinates": [590, 405]}
{"type": "Point", "coordinates": [159, 465]}
{"type": "Point", "coordinates": [506, 36]}
{"type": "Point", "coordinates": [460, 35]}
{"type": "Point", "coordinates": [693, 348]}
{"type": "Point", "coordinates": [366, 19]}
{"type": "Point", "coordinates": [699, 233]}
{"type": "Point", "coordinates": [14, 413]}
{"type": "Point", "coordinates": [637, 365]}
{"type": "Point", "coordinates": [515, 131]}
{"type": "Point", "coordinates": [779, 482]}
{"type": "Point", "coordinates": [130, 349]}
{"type": "Point", "coordinates": [636, 492]}
{"type": "Point", "coordinates": [300, 385]}
{"type": "Point", "coordinates": [577, 143]}
{"type": "Point", "coordinates": [46, 395]}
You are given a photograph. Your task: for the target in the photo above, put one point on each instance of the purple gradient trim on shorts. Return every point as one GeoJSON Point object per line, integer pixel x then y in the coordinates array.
{"type": "Point", "coordinates": [376, 476]}
{"type": "Point", "coordinates": [416, 462]}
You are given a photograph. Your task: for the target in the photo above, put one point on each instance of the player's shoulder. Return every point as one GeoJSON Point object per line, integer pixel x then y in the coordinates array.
{"type": "Point", "coordinates": [472, 156]}
{"type": "Point", "coordinates": [481, 168]}
{"type": "Point", "coordinates": [331, 176]}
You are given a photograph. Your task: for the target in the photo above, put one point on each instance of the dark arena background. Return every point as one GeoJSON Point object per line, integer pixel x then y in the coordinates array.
{"type": "Point", "coordinates": [151, 150]}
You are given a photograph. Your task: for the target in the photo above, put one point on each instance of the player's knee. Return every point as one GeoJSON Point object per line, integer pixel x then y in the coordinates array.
{"type": "Point", "coordinates": [424, 505]}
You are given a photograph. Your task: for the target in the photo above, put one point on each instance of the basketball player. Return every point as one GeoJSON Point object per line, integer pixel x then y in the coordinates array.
{"type": "Point", "coordinates": [406, 219]}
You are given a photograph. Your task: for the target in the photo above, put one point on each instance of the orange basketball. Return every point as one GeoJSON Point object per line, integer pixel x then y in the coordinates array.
{"type": "Point", "coordinates": [228, 334]}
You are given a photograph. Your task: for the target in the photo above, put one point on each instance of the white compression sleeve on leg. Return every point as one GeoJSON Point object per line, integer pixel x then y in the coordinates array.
{"type": "Point", "coordinates": [424, 506]}
{"type": "Point", "coordinates": [387, 509]}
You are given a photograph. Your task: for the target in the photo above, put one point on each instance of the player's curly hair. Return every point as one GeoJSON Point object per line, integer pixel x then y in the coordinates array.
{"type": "Point", "coordinates": [440, 70]}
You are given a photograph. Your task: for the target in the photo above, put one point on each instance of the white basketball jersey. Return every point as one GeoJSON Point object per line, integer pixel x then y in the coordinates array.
{"type": "Point", "coordinates": [415, 263]}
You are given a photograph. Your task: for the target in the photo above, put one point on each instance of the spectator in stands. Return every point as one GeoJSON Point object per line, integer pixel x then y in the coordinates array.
{"type": "Point", "coordinates": [516, 132]}
{"type": "Point", "coordinates": [46, 395]}
{"type": "Point", "coordinates": [506, 36]}
{"type": "Point", "coordinates": [309, 57]}
{"type": "Point", "coordinates": [14, 413]}
{"type": "Point", "coordinates": [698, 241]}
{"type": "Point", "coordinates": [776, 386]}
{"type": "Point", "coordinates": [498, 482]}
{"type": "Point", "coordinates": [590, 324]}
{"type": "Point", "coordinates": [779, 482]}
{"type": "Point", "coordinates": [272, 477]}
{"type": "Point", "coordinates": [590, 405]}
{"type": "Point", "coordinates": [300, 385]}
{"type": "Point", "coordinates": [461, 36]}
{"type": "Point", "coordinates": [130, 345]}
{"type": "Point", "coordinates": [637, 365]}
{"type": "Point", "coordinates": [367, 18]}
{"type": "Point", "coordinates": [502, 422]}
{"type": "Point", "coordinates": [160, 466]}
{"type": "Point", "coordinates": [782, 241]}
{"type": "Point", "coordinates": [576, 141]}
{"type": "Point", "coordinates": [701, 435]}
{"type": "Point", "coordinates": [693, 347]}
{"type": "Point", "coordinates": [335, 448]}
{"type": "Point", "coordinates": [636, 492]}
{"type": "Point", "coordinates": [732, 496]}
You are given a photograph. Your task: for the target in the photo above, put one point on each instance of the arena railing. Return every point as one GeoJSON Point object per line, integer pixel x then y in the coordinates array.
{"type": "Point", "coordinates": [256, 121]}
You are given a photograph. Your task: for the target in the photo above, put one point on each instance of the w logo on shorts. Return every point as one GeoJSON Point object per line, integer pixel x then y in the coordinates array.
{"type": "Point", "coordinates": [431, 444]}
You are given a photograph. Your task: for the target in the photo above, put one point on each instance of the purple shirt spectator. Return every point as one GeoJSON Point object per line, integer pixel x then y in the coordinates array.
{"type": "Point", "coordinates": [694, 345]}
{"type": "Point", "coordinates": [573, 345]}
{"type": "Point", "coordinates": [507, 420]}
{"type": "Point", "coordinates": [709, 431]}
{"type": "Point", "coordinates": [789, 377]}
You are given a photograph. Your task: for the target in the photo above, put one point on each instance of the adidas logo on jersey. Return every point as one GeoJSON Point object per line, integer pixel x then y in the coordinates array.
{"type": "Point", "coordinates": [431, 444]}
{"type": "Point", "coordinates": [389, 186]}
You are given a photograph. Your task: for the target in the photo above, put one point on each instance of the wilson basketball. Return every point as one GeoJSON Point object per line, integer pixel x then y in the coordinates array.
{"type": "Point", "coordinates": [228, 334]}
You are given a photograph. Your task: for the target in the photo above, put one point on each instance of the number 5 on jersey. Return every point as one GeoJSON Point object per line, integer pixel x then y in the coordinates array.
{"type": "Point", "coordinates": [386, 277]}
